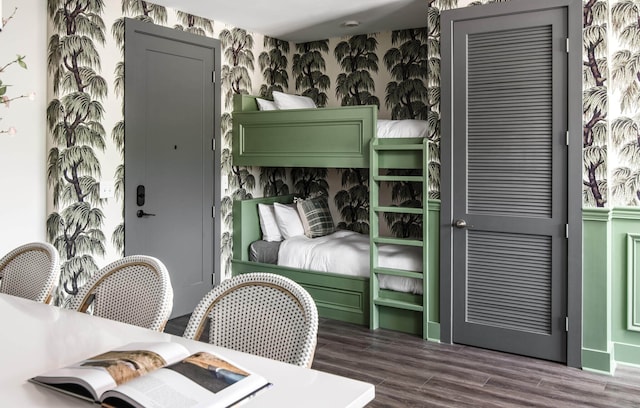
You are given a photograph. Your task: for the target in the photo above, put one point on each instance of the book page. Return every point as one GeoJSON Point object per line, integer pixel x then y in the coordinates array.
{"type": "Point", "coordinates": [106, 371]}
{"type": "Point", "coordinates": [200, 380]}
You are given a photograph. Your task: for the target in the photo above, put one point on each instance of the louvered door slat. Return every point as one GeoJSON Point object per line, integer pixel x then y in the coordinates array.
{"type": "Point", "coordinates": [507, 69]}
{"type": "Point", "coordinates": [505, 287]}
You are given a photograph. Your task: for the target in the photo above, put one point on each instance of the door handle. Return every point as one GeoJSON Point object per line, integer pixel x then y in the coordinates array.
{"type": "Point", "coordinates": [141, 214]}
{"type": "Point", "coordinates": [462, 224]}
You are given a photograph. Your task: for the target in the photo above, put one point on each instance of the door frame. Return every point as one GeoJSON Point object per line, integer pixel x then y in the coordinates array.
{"type": "Point", "coordinates": [136, 26]}
{"type": "Point", "coordinates": [574, 162]}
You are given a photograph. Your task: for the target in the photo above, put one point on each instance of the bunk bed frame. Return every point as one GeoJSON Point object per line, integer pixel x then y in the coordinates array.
{"type": "Point", "coordinates": [338, 138]}
{"type": "Point", "coordinates": [325, 137]}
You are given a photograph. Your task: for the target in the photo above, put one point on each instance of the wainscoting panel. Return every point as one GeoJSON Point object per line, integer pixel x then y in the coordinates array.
{"type": "Point", "coordinates": [633, 282]}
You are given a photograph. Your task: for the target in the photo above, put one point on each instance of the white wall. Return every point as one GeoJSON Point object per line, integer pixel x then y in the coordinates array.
{"type": "Point", "coordinates": [23, 156]}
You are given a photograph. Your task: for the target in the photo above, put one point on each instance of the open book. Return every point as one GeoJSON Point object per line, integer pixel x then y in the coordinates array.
{"type": "Point", "coordinates": [163, 374]}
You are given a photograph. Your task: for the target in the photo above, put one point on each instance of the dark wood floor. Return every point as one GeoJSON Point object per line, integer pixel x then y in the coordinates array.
{"type": "Point", "coordinates": [410, 372]}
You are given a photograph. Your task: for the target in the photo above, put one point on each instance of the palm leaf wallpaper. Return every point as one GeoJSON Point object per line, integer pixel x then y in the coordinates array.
{"type": "Point", "coordinates": [75, 122]}
{"type": "Point", "coordinates": [398, 71]}
{"type": "Point", "coordinates": [595, 104]}
{"type": "Point", "coordinates": [625, 103]}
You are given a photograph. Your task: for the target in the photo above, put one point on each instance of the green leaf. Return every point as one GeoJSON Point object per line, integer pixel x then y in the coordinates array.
{"type": "Point", "coordinates": [3, 90]}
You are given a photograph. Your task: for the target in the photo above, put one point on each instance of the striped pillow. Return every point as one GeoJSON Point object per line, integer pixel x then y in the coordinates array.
{"type": "Point", "coordinates": [315, 216]}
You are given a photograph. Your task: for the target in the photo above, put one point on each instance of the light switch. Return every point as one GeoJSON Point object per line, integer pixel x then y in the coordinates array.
{"type": "Point", "coordinates": [106, 189]}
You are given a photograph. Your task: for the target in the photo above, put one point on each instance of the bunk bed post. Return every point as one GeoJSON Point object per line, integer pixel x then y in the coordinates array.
{"type": "Point", "coordinates": [244, 103]}
{"type": "Point", "coordinates": [374, 193]}
{"type": "Point", "coordinates": [425, 239]}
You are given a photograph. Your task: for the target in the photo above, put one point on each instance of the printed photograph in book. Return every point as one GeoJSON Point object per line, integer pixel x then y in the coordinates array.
{"type": "Point", "coordinates": [126, 365]}
{"type": "Point", "coordinates": [209, 371]}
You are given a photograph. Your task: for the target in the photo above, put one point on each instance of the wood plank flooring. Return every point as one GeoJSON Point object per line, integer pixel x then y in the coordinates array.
{"type": "Point", "coordinates": [410, 372]}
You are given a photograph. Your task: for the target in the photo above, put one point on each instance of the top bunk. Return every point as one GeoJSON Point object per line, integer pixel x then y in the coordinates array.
{"type": "Point", "coordinates": [317, 137]}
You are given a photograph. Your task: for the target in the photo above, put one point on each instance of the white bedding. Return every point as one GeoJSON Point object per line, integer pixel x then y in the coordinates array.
{"type": "Point", "coordinates": [347, 253]}
{"type": "Point", "coordinates": [388, 129]}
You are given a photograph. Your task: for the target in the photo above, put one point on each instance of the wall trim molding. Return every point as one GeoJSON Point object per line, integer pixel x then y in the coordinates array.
{"type": "Point", "coordinates": [598, 361]}
{"type": "Point", "coordinates": [625, 353]}
{"type": "Point", "coordinates": [633, 282]}
{"type": "Point", "coordinates": [607, 214]}
{"type": "Point", "coordinates": [596, 214]}
{"type": "Point", "coordinates": [596, 278]}
{"type": "Point", "coordinates": [628, 213]}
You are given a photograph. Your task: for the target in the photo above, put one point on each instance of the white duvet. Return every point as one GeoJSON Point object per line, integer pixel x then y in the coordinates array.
{"type": "Point", "coordinates": [347, 253]}
{"type": "Point", "coordinates": [388, 129]}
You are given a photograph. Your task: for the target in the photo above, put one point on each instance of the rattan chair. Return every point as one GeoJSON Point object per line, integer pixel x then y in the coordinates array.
{"type": "Point", "coordinates": [262, 314]}
{"type": "Point", "coordinates": [135, 289]}
{"type": "Point", "coordinates": [30, 271]}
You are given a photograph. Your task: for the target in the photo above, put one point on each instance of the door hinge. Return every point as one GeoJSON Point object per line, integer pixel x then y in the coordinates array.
{"type": "Point", "coordinates": [213, 144]}
{"type": "Point", "coordinates": [566, 323]}
{"type": "Point", "coordinates": [567, 45]}
{"type": "Point", "coordinates": [212, 279]}
{"type": "Point", "coordinates": [566, 231]}
{"type": "Point", "coordinates": [213, 212]}
{"type": "Point", "coordinates": [567, 138]}
{"type": "Point", "coordinates": [213, 76]}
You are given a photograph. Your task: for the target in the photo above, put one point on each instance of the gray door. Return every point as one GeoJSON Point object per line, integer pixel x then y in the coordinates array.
{"type": "Point", "coordinates": [170, 192]}
{"type": "Point", "coordinates": [509, 182]}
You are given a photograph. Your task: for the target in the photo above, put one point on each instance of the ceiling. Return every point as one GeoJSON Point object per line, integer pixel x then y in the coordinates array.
{"type": "Point", "coordinates": [308, 20]}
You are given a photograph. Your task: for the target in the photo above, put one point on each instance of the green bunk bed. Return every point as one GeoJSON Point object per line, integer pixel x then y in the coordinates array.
{"type": "Point", "coordinates": [322, 137]}
{"type": "Point", "coordinates": [338, 138]}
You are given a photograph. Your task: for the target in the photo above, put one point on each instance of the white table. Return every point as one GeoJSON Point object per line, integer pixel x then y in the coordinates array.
{"type": "Point", "coordinates": [35, 338]}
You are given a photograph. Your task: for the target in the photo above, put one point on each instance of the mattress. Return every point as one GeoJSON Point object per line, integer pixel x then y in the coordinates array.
{"type": "Point", "coordinates": [390, 129]}
{"type": "Point", "coordinates": [347, 253]}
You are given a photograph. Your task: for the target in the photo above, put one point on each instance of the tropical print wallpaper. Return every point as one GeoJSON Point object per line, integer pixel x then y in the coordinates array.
{"type": "Point", "coordinates": [595, 105]}
{"type": "Point", "coordinates": [398, 71]}
{"type": "Point", "coordinates": [624, 103]}
{"type": "Point", "coordinates": [75, 118]}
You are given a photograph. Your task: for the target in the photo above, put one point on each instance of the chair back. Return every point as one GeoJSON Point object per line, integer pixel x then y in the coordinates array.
{"type": "Point", "coordinates": [135, 289]}
{"type": "Point", "coordinates": [30, 271]}
{"type": "Point", "coordinates": [262, 314]}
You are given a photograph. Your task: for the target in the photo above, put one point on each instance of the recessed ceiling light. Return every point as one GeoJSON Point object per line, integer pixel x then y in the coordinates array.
{"type": "Point", "coordinates": [351, 23]}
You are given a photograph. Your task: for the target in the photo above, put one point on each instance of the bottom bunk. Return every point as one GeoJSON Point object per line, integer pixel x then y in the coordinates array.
{"type": "Point", "coordinates": [340, 297]}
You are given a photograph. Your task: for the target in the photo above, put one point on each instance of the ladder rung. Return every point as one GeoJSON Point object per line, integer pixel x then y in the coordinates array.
{"type": "Point", "coordinates": [398, 147]}
{"type": "Point", "coordinates": [398, 272]}
{"type": "Point", "coordinates": [398, 304]}
{"type": "Point", "coordinates": [399, 210]}
{"type": "Point", "coordinates": [398, 241]}
{"type": "Point", "coordinates": [418, 179]}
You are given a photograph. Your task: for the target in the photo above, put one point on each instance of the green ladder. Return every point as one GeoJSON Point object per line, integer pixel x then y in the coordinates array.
{"type": "Point", "coordinates": [399, 147]}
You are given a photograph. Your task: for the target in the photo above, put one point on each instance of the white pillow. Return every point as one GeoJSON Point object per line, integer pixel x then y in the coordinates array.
{"type": "Point", "coordinates": [289, 101]}
{"type": "Point", "coordinates": [402, 128]}
{"type": "Point", "coordinates": [268, 224]}
{"type": "Point", "coordinates": [265, 104]}
{"type": "Point", "coordinates": [288, 220]}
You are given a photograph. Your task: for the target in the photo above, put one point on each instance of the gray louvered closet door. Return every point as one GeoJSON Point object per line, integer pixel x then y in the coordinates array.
{"type": "Point", "coordinates": [509, 183]}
